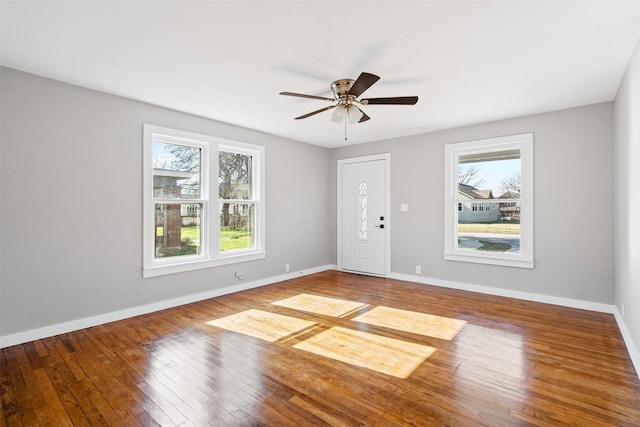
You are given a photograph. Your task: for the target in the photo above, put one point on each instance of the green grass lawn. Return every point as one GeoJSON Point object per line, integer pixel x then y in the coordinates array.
{"type": "Point", "coordinates": [234, 239]}
{"type": "Point", "coordinates": [490, 227]}
{"type": "Point", "coordinates": [230, 239]}
{"type": "Point", "coordinates": [191, 232]}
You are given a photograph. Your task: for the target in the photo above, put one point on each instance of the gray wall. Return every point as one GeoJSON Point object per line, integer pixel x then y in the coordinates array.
{"type": "Point", "coordinates": [573, 222]}
{"type": "Point", "coordinates": [627, 197]}
{"type": "Point", "coordinates": [71, 177]}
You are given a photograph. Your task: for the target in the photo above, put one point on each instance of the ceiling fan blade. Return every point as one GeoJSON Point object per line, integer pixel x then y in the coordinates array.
{"type": "Point", "coordinates": [301, 95]}
{"type": "Point", "coordinates": [313, 113]}
{"type": "Point", "coordinates": [364, 117]}
{"type": "Point", "coordinates": [397, 100]}
{"type": "Point", "coordinates": [362, 83]}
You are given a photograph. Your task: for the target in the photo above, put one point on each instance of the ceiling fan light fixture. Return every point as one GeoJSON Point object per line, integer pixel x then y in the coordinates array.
{"type": "Point", "coordinates": [338, 114]}
{"type": "Point", "coordinates": [354, 114]}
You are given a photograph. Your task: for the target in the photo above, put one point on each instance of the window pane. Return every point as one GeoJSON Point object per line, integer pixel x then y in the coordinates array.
{"type": "Point", "coordinates": [489, 175]}
{"type": "Point", "coordinates": [484, 222]}
{"type": "Point", "coordinates": [502, 235]}
{"type": "Point", "coordinates": [235, 176]}
{"type": "Point", "coordinates": [177, 229]}
{"type": "Point", "coordinates": [176, 171]}
{"type": "Point", "coordinates": [236, 226]}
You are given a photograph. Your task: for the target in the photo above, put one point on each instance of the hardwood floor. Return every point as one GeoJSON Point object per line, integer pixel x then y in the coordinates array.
{"type": "Point", "coordinates": [494, 361]}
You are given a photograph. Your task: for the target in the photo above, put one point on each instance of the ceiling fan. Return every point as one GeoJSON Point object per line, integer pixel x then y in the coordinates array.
{"type": "Point", "coordinates": [345, 97]}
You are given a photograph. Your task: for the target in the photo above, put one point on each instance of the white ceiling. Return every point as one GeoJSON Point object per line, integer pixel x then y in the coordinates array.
{"type": "Point", "coordinates": [468, 62]}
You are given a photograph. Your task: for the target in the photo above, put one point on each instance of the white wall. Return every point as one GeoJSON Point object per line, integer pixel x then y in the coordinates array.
{"type": "Point", "coordinates": [71, 185]}
{"type": "Point", "coordinates": [573, 223]}
{"type": "Point", "coordinates": [627, 197]}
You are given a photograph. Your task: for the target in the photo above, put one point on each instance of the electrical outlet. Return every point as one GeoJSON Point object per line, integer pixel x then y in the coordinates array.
{"type": "Point", "coordinates": [622, 309]}
{"type": "Point", "coordinates": [286, 268]}
{"type": "Point", "coordinates": [418, 269]}
{"type": "Point", "coordinates": [239, 275]}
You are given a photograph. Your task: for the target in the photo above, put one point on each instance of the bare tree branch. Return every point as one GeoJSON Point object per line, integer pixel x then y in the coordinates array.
{"type": "Point", "coordinates": [511, 184]}
{"type": "Point", "coordinates": [185, 158]}
{"type": "Point", "coordinates": [468, 175]}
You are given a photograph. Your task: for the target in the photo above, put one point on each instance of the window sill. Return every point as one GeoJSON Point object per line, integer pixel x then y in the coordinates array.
{"type": "Point", "coordinates": [161, 270]}
{"type": "Point", "coordinates": [505, 261]}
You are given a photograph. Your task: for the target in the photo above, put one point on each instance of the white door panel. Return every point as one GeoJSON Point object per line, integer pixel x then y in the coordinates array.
{"type": "Point", "coordinates": [364, 218]}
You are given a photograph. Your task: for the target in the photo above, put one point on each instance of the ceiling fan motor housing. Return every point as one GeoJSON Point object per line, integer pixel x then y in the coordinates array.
{"type": "Point", "coordinates": [341, 88]}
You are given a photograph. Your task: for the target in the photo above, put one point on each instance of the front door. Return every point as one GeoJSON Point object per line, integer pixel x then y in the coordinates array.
{"type": "Point", "coordinates": [363, 214]}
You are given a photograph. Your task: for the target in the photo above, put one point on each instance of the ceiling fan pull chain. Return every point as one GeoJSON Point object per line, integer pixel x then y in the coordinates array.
{"type": "Point", "coordinates": [345, 124]}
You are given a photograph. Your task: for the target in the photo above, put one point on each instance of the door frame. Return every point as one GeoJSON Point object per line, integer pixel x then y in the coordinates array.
{"type": "Point", "coordinates": [386, 157]}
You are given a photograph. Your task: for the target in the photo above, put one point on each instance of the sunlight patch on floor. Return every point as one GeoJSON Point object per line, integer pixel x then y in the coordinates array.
{"type": "Point", "coordinates": [381, 354]}
{"type": "Point", "coordinates": [321, 305]}
{"type": "Point", "coordinates": [262, 324]}
{"type": "Point", "coordinates": [411, 321]}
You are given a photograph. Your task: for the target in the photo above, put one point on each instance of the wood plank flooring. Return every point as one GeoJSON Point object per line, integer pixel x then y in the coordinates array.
{"type": "Point", "coordinates": [504, 362]}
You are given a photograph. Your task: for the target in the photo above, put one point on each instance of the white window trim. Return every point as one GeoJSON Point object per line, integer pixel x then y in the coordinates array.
{"type": "Point", "coordinates": [525, 258]}
{"type": "Point", "coordinates": [210, 219]}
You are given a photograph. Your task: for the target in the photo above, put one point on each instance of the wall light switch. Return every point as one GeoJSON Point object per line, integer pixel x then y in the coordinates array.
{"type": "Point", "coordinates": [404, 207]}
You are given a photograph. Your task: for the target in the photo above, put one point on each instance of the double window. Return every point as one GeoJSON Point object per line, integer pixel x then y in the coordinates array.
{"type": "Point", "coordinates": [203, 201]}
{"type": "Point", "coordinates": [489, 201]}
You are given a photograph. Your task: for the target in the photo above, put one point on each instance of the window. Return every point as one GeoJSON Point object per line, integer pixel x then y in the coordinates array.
{"type": "Point", "coordinates": [489, 201]}
{"type": "Point", "coordinates": [236, 197]}
{"type": "Point", "coordinates": [188, 224]}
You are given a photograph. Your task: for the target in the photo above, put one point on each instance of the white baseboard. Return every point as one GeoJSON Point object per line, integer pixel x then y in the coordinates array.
{"type": "Point", "coordinates": [87, 322]}
{"type": "Point", "coordinates": [634, 354]}
{"type": "Point", "coordinates": [527, 296]}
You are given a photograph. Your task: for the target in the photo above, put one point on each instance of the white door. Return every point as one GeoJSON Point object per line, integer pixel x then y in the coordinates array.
{"type": "Point", "coordinates": [363, 215]}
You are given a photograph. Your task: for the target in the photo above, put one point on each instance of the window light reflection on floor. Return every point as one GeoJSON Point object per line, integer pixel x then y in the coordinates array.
{"type": "Point", "coordinates": [389, 356]}
{"type": "Point", "coordinates": [321, 305]}
{"type": "Point", "coordinates": [262, 324]}
{"type": "Point", "coordinates": [411, 321]}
